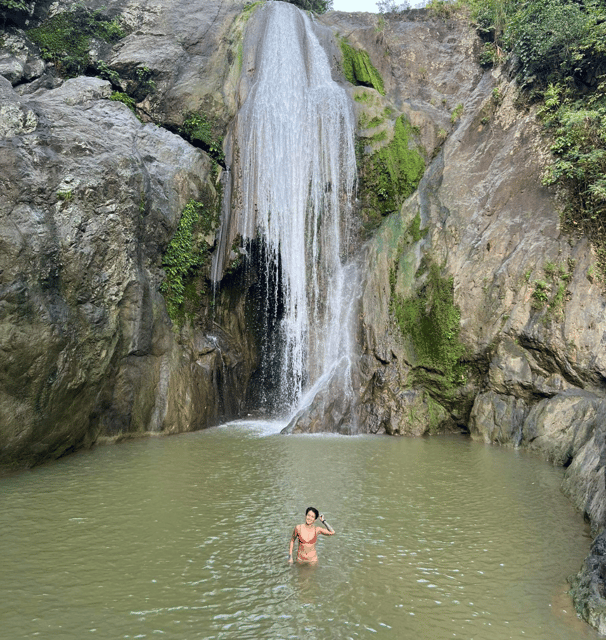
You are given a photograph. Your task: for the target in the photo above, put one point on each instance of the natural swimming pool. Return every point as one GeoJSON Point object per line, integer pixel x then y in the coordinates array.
{"type": "Point", "coordinates": [187, 537]}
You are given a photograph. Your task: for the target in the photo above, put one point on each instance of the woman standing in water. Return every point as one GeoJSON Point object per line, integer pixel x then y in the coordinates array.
{"type": "Point", "coordinates": [308, 534]}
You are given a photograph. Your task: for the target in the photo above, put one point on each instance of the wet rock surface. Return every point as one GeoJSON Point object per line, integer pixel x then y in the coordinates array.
{"type": "Point", "coordinates": [90, 199]}
{"type": "Point", "coordinates": [589, 586]}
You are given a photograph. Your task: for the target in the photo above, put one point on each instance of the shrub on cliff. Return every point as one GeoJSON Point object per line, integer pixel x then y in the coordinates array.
{"type": "Point", "coordinates": [551, 39]}
{"type": "Point", "coordinates": [560, 46]}
{"type": "Point", "coordinates": [556, 39]}
{"type": "Point", "coordinates": [317, 6]}
{"type": "Point", "coordinates": [578, 127]}
{"type": "Point", "coordinates": [65, 38]}
{"type": "Point", "coordinates": [203, 132]}
{"type": "Point", "coordinates": [185, 259]}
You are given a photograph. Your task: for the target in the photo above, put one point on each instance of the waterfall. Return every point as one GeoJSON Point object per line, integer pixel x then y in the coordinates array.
{"type": "Point", "coordinates": [294, 172]}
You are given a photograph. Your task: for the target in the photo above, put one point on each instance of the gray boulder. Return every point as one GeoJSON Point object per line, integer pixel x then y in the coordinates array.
{"type": "Point", "coordinates": [90, 199]}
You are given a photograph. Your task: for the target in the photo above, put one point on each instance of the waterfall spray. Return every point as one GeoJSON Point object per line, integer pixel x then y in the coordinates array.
{"type": "Point", "coordinates": [294, 178]}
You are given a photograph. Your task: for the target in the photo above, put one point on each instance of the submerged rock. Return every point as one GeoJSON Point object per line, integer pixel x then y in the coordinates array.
{"type": "Point", "coordinates": [589, 586]}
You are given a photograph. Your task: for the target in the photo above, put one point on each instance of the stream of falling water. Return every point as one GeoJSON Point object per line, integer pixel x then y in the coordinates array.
{"type": "Point", "coordinates": [294, 182]}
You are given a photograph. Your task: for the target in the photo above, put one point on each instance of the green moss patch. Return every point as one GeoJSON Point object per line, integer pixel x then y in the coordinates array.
{"type": "Point", "coordinates": [391, 174]}
{"type": "Point", "coordinates": [65, 38]}
{"type": "Point", "coordinates": [431, 321]}
{"type": "Point", "coordinates": [119, 96]}
{"type": "Point", "coordinates": [185, 260]}
{"type": "Point", "coordinates": [358, 68]}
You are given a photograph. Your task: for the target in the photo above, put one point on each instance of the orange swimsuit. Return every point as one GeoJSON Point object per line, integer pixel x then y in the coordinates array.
{"type": "Point", "coordinates": [297, 534]}
{"type": "Point", "coordinates": [300, 555]}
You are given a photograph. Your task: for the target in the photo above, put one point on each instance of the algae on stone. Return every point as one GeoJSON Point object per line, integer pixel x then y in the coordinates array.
{"type": "Point", "coordinates": [390, 174]}
{"type": "Point", "coordinates": [358, 68]}
{"type": "Point", "coordinates": [431, 320]}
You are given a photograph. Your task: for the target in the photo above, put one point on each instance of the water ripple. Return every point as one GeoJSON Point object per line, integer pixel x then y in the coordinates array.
{"type": "Point", "coordinates": [186, 537]}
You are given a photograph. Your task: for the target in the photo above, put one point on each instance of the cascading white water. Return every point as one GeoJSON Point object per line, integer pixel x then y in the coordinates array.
{"type": "Point", "coordinates": [296, 170]}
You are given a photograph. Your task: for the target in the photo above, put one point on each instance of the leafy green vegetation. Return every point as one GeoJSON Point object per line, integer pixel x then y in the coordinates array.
{"type": "Point", "coordinates": [391, 174]}
{"type": "Point", "coordinates": [443, 8]}
{"type": "Point", "coordinates": [456, 113]}
{"type": "Point", "coordinates": [540, 295]}
{"type": "Point", "coordinates": [65, 196]}
{"type": "Point", "coordinates": [14, 11]}
{"type": "Point", "coordinates": [316, 6]}
{"type": "Point", "coordinates": [553, 294]}
{"type": "Point", "coordinates": [366, 122]}
{"type": "Point", "coordinates": [198, 129]}
{"type": "Point", "coordinates": [555, 39]}
{"type": "Point", "coordinates": [145, 83]}
{"type": "Point", "coordinates": [559, 48]}
{"type": "Point", "coordinates": [14, 5]}
{"type": "Point", "coordinates": [391, 7]}
{"type": "Point", "coordinates": [64, 39]}
{"type": "Point", "coordinates": [551, 39]}
{"type": "Point", "coordinates": [185, 259]}
{"type": "Point", "coordinates": [358, 69]}
{"type": "Point", "coordinates": [431, 320]}
{"type": "Point", "coordinates": [578, 127]}
{"type": "Point", "coordinates": [119, 96]}
{"type": "Point", "coordinates": [364, 98]}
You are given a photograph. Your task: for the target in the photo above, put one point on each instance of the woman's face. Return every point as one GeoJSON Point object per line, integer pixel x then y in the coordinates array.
{"type": "Point", "coordinates": [310, 518]}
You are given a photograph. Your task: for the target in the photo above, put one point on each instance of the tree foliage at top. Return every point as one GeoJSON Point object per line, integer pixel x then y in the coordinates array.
{"type": "Point", "coordinates": [14, 11]}
{"type": "Point", "coordinates": [317, 6]}
{"type": "Point", "coordinates": [553, 40]}
{"type": "Point", "coordinates": [559, 50]}
{"type": "Point", "coordinates": [557, 39]}
{"type": "Point", "coordinates": [392, 7]}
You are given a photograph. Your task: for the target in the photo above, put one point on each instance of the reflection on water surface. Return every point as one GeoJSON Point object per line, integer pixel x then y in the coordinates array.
{"type": "Point", "coordinates": [187, 537]}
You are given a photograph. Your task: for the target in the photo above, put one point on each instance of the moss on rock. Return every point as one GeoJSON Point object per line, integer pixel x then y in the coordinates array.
{"type": "Point", "coordinates": [185, 260]}
{"type": "Point", "coordinates": [65, 38]}
{"type": "Point", "coordinates": [358, 68]}
{"type": "Point", "coordinates": [431, 320]}
{"type": "Point", "coordinates": [390, 174]}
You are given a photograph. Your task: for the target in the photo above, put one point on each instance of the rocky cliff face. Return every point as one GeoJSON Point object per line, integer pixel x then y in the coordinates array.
{"type": "Point", "coordinates": [90, 197]}
{"type": "Point", "coordinates": [480, 236]}
{"type": "Point", "coordinates": [480, 241]}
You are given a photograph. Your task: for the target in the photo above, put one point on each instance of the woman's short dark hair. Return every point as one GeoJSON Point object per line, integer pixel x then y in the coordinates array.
{"type": "Point", "coordinates": [314, 510]}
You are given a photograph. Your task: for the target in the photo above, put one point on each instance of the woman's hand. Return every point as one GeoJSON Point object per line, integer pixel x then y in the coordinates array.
{"type": "Point", "coordinates": [330, 530]}
{"type": "Point", "coordinates": [290, 560]}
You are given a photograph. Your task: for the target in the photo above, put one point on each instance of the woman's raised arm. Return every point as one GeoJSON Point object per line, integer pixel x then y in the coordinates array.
{"type": "Point", "coordinates": [329, 531]}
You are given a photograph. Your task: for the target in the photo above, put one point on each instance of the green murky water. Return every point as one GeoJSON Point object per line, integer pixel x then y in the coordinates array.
{"type": "Point", "coordinates": [187, 537]}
